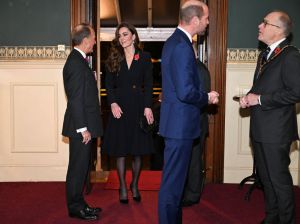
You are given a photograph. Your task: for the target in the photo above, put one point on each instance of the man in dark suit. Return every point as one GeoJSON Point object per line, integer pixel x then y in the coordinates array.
{"type": "Point", "coordinates": [195, 180]}
{"type": "Point", "coordinates": [82, 120]}
{"type": "Point", "coordinates": [273, 123]}
{"type": "Point", "coordinates": [180, 109]}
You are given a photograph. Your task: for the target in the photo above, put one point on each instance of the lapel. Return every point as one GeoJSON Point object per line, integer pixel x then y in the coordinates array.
{"type": "Point", "coordinates": [79, 55]}
{"type": "Point", "coordinates": [276, 52]}
{"type": "Point", "coordinates": [136, 58]}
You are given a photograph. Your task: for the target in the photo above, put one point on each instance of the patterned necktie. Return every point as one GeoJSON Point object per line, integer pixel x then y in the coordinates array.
{"type": "Point", "coordinates": [265, 54]}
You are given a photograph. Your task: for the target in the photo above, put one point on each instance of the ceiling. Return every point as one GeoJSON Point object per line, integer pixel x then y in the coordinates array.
{"type": "Point", "coordinates": [140, 13]}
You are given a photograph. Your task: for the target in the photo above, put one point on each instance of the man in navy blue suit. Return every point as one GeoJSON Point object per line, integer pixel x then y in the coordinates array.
{"type": "Point", "coordinates": [182, 101]}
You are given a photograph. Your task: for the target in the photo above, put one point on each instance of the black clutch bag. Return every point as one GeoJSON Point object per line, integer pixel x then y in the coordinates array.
{"type": "Point", "coordinates": [147, 128]}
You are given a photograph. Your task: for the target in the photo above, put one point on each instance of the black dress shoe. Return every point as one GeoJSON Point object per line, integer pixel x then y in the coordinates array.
{"type": "Point", "coordinates": [135, 195]}
{"type": "Point", "coordinates": [82, 214]}
{"type": "Point", "coordinates": [92, 211]}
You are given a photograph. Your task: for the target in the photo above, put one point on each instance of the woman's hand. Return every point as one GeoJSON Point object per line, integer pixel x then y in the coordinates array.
{"type": "Point", "coordinates": [116, 110]}
{"type": "Point", "coordinates": [149, 115]}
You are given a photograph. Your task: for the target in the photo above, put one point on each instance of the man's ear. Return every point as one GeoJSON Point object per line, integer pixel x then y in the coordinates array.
{"type": "Point", "coordinates": [193, 21]}
{"type": "Point", "coordinates": [196, 20]}
{"type": "Point", "coordinates": [84, 42]}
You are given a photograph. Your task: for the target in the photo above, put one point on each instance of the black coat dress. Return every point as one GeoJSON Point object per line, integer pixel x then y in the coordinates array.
{"type": "Point", "coordinates": [131, 89]}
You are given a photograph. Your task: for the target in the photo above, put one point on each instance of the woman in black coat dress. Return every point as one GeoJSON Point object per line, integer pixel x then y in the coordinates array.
{"type": "Point", "coordinates": [129, 92]}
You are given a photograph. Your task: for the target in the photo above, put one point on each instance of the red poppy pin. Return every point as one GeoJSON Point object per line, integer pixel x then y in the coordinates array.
{"type": "Point", "coordinates": [136, 57]}
{"type": "Point", "coordinates": [277, 50]}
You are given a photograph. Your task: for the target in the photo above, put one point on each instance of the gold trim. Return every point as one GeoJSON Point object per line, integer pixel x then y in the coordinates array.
{"type": "Point", "coordinates": [33, 52]}
{"type": "Point", "coordinates": [263, 63]}
{"type": "Point", "coordinates": [156, 91]}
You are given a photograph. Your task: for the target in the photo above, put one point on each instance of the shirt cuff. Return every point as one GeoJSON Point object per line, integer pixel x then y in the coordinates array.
{"type": "Point", "coordinates": [80, 130]}
{"type": "Point", "coordinates": [259, 102]}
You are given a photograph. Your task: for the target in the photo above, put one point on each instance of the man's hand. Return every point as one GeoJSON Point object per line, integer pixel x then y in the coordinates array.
{"type": "Point", "coordinates": [243, 102]}
{"type": "Point", "coordinates": [249, 100]}
{"type": "Point", "coordinates": [213, 97]}
{"type": "Point", "coordinates": [86, 137]}
{"type": "Point", "coordinates": [252, 99]}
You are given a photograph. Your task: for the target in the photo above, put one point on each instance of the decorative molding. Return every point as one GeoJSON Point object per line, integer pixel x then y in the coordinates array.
{"type": "Point", "coordinates": [243, 145]}
{"type": "Point", "coordinates": [145, 34]}
{"type": "Point", "coordinates": [242, 55]}
{"type": "Point", "coordinates": [25, 96]}
{"type": "Point", "coordinates": [234, 55]}
{"type": "Point", "coordinates": [33, 52]}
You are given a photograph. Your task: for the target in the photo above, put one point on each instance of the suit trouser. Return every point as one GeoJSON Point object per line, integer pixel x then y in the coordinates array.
{"type": "Point", "coordinates": [176, 160]}
{"type": "Point", "coordinates": [195, 177]}
{"type": "Point", "coordinates": [79, 158]}
{"type": "Point", "coordinates": [272, 164]}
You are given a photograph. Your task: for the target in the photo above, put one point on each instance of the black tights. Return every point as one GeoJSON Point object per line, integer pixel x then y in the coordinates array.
{"type": "Point", "coordinates": [136, 171]}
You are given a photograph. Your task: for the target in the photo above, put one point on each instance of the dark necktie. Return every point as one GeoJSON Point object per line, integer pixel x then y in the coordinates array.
{"type": "Point", "coordinates": [265, 54]}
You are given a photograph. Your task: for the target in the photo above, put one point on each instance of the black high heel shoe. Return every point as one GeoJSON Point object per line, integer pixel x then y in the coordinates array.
{"type": "Point", "coordinates": [136, 195]}
{"type": "Point", "coordinates": [123, 198]}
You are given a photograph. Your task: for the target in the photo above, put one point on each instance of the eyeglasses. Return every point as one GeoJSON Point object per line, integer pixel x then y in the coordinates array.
{"type": "Point", "coordinates": [265, 22]}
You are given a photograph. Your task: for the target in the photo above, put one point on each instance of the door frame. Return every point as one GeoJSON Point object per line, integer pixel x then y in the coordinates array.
{"type": "Point", "coordinates": [217, 59]}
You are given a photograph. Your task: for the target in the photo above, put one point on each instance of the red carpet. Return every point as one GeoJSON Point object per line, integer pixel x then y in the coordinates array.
{"type": "Point", "coordinates": [149, 180]}
{"type": "Point", "coordinates": [44, 203]}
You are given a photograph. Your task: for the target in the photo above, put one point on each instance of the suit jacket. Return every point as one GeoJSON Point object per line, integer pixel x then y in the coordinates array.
{"type": "Point", "coordinates": [278, 82]}
{"type": "Point", "coordinates": [204, 77]}
{"type": "Point", "coordinates": [182, 93]}
{"type": "Point", "coordinates": [83, 108]}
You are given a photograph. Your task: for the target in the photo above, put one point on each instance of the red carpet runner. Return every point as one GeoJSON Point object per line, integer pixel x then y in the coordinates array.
{"type": "Point", "coordinates": [44, 203]}
{"type": "Point", "coordinates": [149, 180]}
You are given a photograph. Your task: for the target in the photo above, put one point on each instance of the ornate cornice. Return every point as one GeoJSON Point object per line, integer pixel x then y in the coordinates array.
{"type": "Point", "coordinates": [234, 55]}
{"type": "Point", "coordinates": [33, 52]}
{"type": "Point", "coordinates": [145, 34]}
{"type": "Point", "coordinates": [242, 55]}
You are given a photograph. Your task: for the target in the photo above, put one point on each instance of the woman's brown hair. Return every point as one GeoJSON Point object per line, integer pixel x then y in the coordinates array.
{"type": "Point", "coordinates": [116, 52]}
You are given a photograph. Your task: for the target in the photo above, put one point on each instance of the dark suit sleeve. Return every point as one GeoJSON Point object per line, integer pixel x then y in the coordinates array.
{"type": "Point", "coordinates": [290, 94]}
{"type": "Point", "coordinates": [183, 77]}
{"type": "Point", "coordinates": [110, 87]}
{"type": "Point", "coordinates": [148, 81]}
{"type": "Point", "coordinates": [75, 91]}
